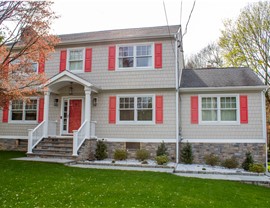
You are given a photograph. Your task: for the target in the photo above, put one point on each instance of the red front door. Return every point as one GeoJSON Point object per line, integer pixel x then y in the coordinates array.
{"type": "Point", "coordinates": [75, 115]}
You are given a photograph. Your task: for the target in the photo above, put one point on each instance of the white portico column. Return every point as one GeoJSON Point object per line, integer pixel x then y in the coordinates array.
{"type": "Point", "coordinates": [87, 91]}
{"type": "Point", "coordinates": [46, 112]}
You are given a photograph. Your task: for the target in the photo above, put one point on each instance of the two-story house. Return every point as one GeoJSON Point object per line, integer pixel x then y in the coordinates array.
{"type": "Point", "coordinates": [122, 86]}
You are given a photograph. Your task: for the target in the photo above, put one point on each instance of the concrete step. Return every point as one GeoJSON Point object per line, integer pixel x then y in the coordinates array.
{"type": "Point", "coordinates": [50, 155]}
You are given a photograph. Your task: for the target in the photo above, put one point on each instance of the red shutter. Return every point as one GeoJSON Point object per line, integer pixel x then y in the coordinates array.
{"type": "Point", "coordinates": [159, 109]}
{"type": "Point", "coordinates": [112, 110]}
{"type": "Point", "coordinates": [63, 60]}
{"type": "Point", "coordinates": [88, 60]}
{"type": "Point", "coordinates": [243, 109]}
{"type": "Point", "coordinates": [40, 110]}
{"type": "Point", "coordinates": [158, 55]}
{"type": "Point", "coordinates": [194, 109]}
{"type": "Point", "coordinates": [41, 64]}
{"type": "Point", "coordinates": [5, 113]}
{"type": "Point", "coordinates": [111, 58]}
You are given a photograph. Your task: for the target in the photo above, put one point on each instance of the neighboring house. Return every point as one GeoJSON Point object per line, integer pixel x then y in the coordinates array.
{"type": "Point", "coordinates": [123, 86]}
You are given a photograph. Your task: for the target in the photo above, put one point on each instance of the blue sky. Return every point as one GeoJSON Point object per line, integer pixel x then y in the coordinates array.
{"type": "Point", "coordinates": [95, 15]}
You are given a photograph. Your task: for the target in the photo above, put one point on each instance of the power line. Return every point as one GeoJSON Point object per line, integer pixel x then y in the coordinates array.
{"type": "Point", "coordinates": [189, 18]}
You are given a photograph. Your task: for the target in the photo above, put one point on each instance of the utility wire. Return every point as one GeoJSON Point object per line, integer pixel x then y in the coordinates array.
{"type": "Point", "coordinates": [168, 25]}
{"type": "Point", "coordinates": [189, 18]}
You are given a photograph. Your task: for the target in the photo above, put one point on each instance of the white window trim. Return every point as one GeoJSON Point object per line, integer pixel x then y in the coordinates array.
{"type": "Point", "coordinates": [219, 122]}
{"type": "Point", "coordinates": [134, 56]}
{"type": "Point", "coordinates": [37, 66]}
{"type": "Point", "coordinates": [135, 122]}
{"type": "Point", "coordinates": [67, 62]}
{"type": "Point", "coordinates": [23, 121]}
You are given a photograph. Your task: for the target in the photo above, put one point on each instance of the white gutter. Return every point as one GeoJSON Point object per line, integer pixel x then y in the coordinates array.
{"type": "Point", "coordinates": [176, 101]}
{"type": "Point", "coordinates": [264, 128]}
{"type": "Point", "coordinates": [214, 89]}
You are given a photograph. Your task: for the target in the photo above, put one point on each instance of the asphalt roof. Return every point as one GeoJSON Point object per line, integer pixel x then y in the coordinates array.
{"type": "Point", "coordinates": [120, 34]}
{"type": "Point", "coordinates": [219, 77]}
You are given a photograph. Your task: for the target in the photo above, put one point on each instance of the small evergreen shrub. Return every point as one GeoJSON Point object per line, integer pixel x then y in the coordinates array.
{"type": "Point", "coordinates": [187, 154]}
{"type": "Point", "coordinates": [162, 159]}
{"type": "Point", "coordinates": [257, 168]}
{"type": "Point", "coordinates": [162, 150]}
{"type": "Point", "coordinates": [211, 159]}
{"type": "Point", "coordinates": [120, 154]}
{"type": "Point", "coordinates": [144, 162]}
{"type": "Point", "coordinates": [248, 161]}
{"type": "Point", "coordinates": [142, 154]}
{"type": "Point", "coordinates": [101, 150]}
{"type": "Point", "coordinates": [230, 163]}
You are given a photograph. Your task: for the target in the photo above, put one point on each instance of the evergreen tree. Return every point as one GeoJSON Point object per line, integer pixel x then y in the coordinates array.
{"type": "Point", "coordinates": [187, 154]}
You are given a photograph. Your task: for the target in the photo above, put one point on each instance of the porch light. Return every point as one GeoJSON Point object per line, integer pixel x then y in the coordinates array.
{"type": "Point", "coordinates": [70, 89]}
{"type": "Point", "coordinates": [55, 102]}
{"type": "Point", "coordinates": [95, 101]}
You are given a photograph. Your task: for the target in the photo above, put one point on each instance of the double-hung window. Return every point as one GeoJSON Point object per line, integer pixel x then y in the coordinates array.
{"type": "Point", "coordinates": [24, 110]}
{"type": "Point", "coordinates": [135, 56]}
{"type": "Point", "coordinates": [75, 59]}
{"type": "Point", "coordinates": [135, 109]}
{"type": "Point", "coordinates": [222, 109]}
{"type": "Point", "coordinates": [34, 67]}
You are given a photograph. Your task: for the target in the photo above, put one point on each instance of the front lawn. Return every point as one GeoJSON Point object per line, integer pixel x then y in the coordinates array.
{"type": "Point", "coordinates": [33, 184]}
{"type": "Point", "coordinates": [269, 167]}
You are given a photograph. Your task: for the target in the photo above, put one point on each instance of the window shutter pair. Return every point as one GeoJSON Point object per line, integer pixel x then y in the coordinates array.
{"type": "Point", "coordinates": [194, 109]}
{"type": "Point", "coordinates": [159, 109]}
{"type": "Point", "coordinates": [87, 61]}
{"type": "Point", "coordinates": [112, 57]}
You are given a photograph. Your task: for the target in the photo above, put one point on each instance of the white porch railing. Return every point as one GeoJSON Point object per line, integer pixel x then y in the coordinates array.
{"type": "Point", "coordinates": [93, 129]}
{"type": "Point", "coordinates": [34, 136]}
{"type": "Point", "coordinates": [78, 137]}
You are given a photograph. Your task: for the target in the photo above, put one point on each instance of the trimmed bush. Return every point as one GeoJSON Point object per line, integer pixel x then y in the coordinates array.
{"type": "Point", "coordinates": [162, 159]}
{"type": "Point", "coordinates": [101, 150]}
{"type": "Point", "coordinates": [120, 154]}
{"type": "Point", "coordinates": [248, 161]}
{"type": "Point", "coordinates": [142, 154]}
{"type": "Point", "coordinates": [257, 168]}
{"type": "Point", "coordinates": [187, 154]}
{"type": "Point", "coordinates": [230, 163]}
{"type": "Point", "coordinates": [211, 159]}
{"type": "Point", "coordinates": [162, 150]}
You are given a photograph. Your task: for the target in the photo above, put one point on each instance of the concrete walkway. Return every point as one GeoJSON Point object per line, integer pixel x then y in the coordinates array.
{"type": "Point", "coordinates": [50, 160]}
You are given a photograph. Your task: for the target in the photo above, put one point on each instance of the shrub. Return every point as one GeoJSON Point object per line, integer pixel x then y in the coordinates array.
{"type": "Point", "coordinates": [211, 159]}
{"type": "Point", "coordinates": [162, 150]}
{"type": "Point", "coordinates": [248, 161]}
{"type": "Point", "coordinates": [144, 162]}
{"type": "Point", "coordinates": [142, 154]}
{"type": "Point", "coordinates": [120, 154]}
{"type": "Point", "coordinates": [230, 163]}
{"type": "Point", "coordinates": [162, 159]}
{"type": "Point", "coordinates": [257, 168]}
{"type": "Point", "coordinates": [187, 154]}
{"type": "Point", "coordinates": [101, 150]}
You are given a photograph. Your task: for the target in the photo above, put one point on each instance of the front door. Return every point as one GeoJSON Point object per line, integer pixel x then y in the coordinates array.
{"type": "Point", "coordinates": [72, 115]}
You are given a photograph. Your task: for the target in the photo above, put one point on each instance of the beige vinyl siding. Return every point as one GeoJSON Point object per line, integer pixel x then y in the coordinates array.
{"type": "Point", "coordinates": [164, 131]}
{"type": "Point", "coordinates": [133, 79]}
{"type": "Point", "coordinates": [252, 130]}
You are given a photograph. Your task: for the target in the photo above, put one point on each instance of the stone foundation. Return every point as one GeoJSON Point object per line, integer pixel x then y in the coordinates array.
{"type": "Point", "coordinates": [87, 151]}
{"type": "Point", "coordinates": [227, 150]}
{"type": "Point", "coordinates": [13, 144]}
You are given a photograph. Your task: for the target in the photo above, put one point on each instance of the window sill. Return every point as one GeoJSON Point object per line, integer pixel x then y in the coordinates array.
{"type": "Point", "coordinates": [23, 122]}
{"type": "Point", "coordinates": [136, 69]}
{"type": "Point", "coordinates": [219, 123]}
{"type": "Point", "coordinates": [144, 123]}
{"type": "Point", "coordinates": [76, 71]}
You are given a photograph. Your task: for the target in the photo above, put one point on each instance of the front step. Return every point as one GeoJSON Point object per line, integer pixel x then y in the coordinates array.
{"type": "Point", "coordinates": [54, 147]}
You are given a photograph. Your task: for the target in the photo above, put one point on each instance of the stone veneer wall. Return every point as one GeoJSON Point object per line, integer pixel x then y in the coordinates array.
{"type": "Point", "coordinates": [13, 144]}
{"type": "Point", "coordinates": [87, 151]}
{"type": "Point", "coordinates": [227, 150]}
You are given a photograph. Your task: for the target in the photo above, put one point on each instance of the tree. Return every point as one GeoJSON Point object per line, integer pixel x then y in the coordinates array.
{"type": "Point", "coordinates": [208, 56]}
{"type": "Point", "coordinates": [246, 41]}
{"type": "Point", "coordinates": [24, 40]}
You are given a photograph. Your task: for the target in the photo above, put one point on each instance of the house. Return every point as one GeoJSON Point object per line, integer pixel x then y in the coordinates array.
{"type": "Point", "coordinates": [122, 86]}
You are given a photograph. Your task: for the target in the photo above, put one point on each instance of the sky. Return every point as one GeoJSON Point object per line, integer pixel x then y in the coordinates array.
{"type": "Point", "coordinates": [95, 15]}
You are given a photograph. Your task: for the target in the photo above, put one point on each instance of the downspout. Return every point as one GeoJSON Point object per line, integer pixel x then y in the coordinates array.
{"type": "Point", "coordinates": [264, 128]}
{"type": "Point", "coordinates": [176, 100]}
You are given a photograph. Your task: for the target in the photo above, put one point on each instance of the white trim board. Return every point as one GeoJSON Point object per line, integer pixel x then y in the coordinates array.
{"type": "Point", "coordinates": [138, 140]}
{"type": "Point", "coordinates": [13, 137]}
{"type": "Point", "coordinates": [233, 141]}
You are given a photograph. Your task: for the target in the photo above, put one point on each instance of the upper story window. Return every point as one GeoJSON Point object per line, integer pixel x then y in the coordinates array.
{"type": "Point", "coordinates": [24, 111]}
{"type": "Point", "coordinates": [219, 109]}
{"type": "Point", "coordinates": [135, 56]}
{"type": "Point", "coordinates": [75, 59]}
{"type": "Point", "coordinates": [133, 109]}
{"type": "Point", "coordinates": [34, 67]}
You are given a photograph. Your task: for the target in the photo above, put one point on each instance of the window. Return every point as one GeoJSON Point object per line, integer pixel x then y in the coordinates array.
{"type": "Point", "coordinates": [24, 111]}
{"type": "Point", "coordinates": [136, 109]}
{"type": "Point", "coordinates": [75, 59]}
{"type": "Point", "coordinates": [34, 67]}
{"type": "Point", "coordinates": [138, 56]}
{"type": "Point", "coordinates": [219, 109]}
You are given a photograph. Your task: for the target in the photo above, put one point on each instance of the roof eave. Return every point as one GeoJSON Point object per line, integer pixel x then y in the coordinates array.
{"type": "Point", "coordinates": [230, 88]}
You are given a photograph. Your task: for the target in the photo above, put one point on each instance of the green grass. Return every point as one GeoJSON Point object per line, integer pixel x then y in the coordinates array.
{"type": "Point", "coordinates": [269, 166]}
{"type": "Point", "coordinates": [33, 184]}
